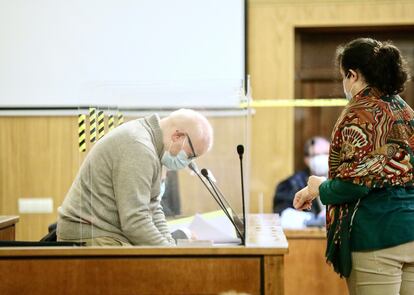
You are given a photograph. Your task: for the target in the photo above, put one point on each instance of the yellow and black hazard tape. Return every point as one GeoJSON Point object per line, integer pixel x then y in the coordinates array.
{"type": "Point", "coordinates": [92, 124]}
{"type": "Point", "coordinates": [81, 132]}
{"type": "Point", "coordinates": [101, 124]}
{"type": "Point", "coordinates": [111, 121]}
{"type": "Point", "coordinates": [120, 119]}
{"type": "Point", "coordinates": [278, 103]}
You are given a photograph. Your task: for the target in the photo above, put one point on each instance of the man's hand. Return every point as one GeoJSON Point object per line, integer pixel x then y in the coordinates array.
{"type": "Point", "coordinates": [303, 200]}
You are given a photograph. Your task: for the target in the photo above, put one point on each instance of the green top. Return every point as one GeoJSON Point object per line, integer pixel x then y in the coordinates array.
{"type": "Point", "coordinates": [383, 218]}
{"type": "Point", "coordinates": [371, 165]}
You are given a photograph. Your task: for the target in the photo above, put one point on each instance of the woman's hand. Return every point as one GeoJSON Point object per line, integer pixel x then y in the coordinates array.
{"type": "Point", "coordinates": [313, 185]}
{"type": "Point", "coordinates": [303, 200]}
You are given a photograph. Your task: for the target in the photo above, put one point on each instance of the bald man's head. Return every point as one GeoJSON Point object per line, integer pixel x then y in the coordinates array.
{"type": "Point", "coordinates": [187, 129]}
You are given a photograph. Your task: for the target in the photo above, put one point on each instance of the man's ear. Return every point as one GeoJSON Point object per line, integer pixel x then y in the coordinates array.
{"type": "Point", "coordinates": [177, 135]}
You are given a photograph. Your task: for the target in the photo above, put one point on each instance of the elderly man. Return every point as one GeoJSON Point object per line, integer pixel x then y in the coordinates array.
{"type": "Point", "coordinates": [115, 198]}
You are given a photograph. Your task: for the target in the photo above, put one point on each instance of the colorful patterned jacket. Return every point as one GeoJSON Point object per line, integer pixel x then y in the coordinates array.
{"type": "Point", "coordinates": [371, 146]}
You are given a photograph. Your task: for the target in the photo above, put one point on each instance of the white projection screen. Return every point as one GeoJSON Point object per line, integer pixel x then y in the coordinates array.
{"type": "Point", "coordinates": [125, 53]}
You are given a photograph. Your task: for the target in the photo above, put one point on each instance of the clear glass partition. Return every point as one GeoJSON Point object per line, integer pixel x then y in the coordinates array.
{"type": "Point", "coordinates": [192, 203]}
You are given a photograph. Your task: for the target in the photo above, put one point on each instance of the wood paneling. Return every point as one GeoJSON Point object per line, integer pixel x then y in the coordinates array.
{"type": "Point", "coordinates": [140, 251]}
{"type": "Point", "coordinates": [141, 270]}
{"type": "Point", "coordinates": [38, 159]}
{"type": "Point", "coordinates": [274, 275]}
{"type": "Point", "coordinates": [8, 233]}
{"type": "Point", "coordinates": [271, 64]}
{"type": "Point", "coordinates": [130, 276]}
{"type": "Point", "coordinates": [306, 267]}
{"type": "Point", "coordinates": [8, 228]}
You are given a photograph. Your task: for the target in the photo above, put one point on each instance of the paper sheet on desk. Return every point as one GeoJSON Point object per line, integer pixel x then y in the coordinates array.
{"type": "Point", "coordinates": [294, 219]}
{"type": "Point", "coordinates": [219, 230]}
{"type": "Point", "coordinates": [215, 223]}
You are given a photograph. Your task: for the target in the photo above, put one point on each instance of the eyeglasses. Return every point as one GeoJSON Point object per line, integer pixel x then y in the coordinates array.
{"type": "Point", "coordinates": [192, 148]}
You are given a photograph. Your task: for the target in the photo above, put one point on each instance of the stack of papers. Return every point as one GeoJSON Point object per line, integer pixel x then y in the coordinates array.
{"type": "Point", "coordinates": [212, 226]}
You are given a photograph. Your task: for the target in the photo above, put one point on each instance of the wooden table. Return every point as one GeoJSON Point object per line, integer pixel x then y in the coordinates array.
{"type": "Point", "coordinates": [306, 267]}
{"type": "Point", "coordinates": [141, 270]}
{"type": "Point", "coordinates": [8, 227]}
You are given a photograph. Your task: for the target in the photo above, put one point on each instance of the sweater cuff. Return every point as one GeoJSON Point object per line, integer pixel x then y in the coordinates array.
{"type": "Point", "coordinates": [337, 191]}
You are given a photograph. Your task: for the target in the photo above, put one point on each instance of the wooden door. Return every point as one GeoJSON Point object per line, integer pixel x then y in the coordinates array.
{"type": "Point", "coordinates": [317, 77]}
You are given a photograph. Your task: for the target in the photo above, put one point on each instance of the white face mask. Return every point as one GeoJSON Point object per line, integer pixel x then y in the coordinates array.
{"type": "Point", "coordinates": [319, 165]}
{"type": "Point", "coordinates": [348, 94]}
{"type": "Point", "coordinates": [180, 161]}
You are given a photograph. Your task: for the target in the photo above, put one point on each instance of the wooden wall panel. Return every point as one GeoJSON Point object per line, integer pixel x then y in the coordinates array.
{"type": "Point", "coordinates": [271, 65]}
{"type": "Point", "coordinates": [132, 275]}
{"type": "Point", "coordinates": [37, 160]}
{"type": "Point", "coordinates": [306, 269]}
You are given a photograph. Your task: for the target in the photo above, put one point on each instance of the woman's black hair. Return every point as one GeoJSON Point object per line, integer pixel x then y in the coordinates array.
{"type": "Point", "coordinates": [380, 63]}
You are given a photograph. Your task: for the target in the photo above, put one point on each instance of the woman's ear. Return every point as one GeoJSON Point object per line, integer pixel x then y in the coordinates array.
{"type": "Point", "coordinates": [353, 75]}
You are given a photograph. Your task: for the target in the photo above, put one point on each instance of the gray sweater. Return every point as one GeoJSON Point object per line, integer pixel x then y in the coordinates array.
{"type": "Point", "coordinates": [116, 191]}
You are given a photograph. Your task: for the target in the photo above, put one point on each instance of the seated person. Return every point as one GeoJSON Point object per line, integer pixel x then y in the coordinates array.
{"type": "Point", "coordinates": [170, 194]}
{"type": "Point", "coordinates": [115, 198]}
{"type": "Point", "coordinates": [316, 152]}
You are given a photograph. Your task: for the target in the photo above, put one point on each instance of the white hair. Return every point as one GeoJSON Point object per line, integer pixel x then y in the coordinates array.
{"type": "Point", "coordinates": [196, 125]}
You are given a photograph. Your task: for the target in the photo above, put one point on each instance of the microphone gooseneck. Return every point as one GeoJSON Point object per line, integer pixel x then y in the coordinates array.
{"type": "Point", "coordinates": [240, 151]}
{"type": "Point", "coordinates": [204, 172]}
{"type": "Point", "coordinates": [225, 202]}
{"type": "Point", "coordinates": [219, 200]}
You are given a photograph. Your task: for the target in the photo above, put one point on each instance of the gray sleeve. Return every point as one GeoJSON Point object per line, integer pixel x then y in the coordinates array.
{"type": "Point", "coordinates": [133, 173]}
{"type": "Point", "coordinates": [161, 223]}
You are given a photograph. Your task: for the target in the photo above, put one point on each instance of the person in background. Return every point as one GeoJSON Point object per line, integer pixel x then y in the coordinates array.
{"type": "Point", "coordinates": [315, 152]}
{"type": "Point", "coordinates": [370, 190]}
{"type": "Point", "coordinates": [170, 194]}
{"type": "Point", "coordinates": [115, 198]}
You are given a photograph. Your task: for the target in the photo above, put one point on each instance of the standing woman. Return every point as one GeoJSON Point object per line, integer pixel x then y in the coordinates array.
{"type": "Point", "coordinates": [370, 190]}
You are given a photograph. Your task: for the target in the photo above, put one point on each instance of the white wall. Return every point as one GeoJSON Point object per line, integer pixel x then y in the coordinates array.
{"type": "Point", "coordinates": [127, 53]}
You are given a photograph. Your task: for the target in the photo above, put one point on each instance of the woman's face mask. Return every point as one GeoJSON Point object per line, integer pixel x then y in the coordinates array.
{"type": "Point", "coordinates": [348, 94]}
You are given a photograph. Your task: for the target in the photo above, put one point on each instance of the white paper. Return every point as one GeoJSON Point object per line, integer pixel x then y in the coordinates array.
{"type": "Point", "coordinates": [219, 230]}
{"type": "Point", "coordinates": [294, 219]}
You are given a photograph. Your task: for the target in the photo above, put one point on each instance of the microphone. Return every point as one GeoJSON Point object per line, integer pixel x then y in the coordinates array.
{"type": "Point", "coordinates": [240, 151]}
{"type": "Point", "coordinates": [194, 168]}
{"type": "Point", "coordinates": [219, 200]}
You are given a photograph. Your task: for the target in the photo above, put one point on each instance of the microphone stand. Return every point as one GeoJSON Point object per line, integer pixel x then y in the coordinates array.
{"type": "Point", "coordinates": [227, 205]}
{"type": "Point", "coordinates": [240, 151]}
{"type": "Point", "coordinates": [194, 168]}
{"type": "Point", "coordinates": [204, 172]}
